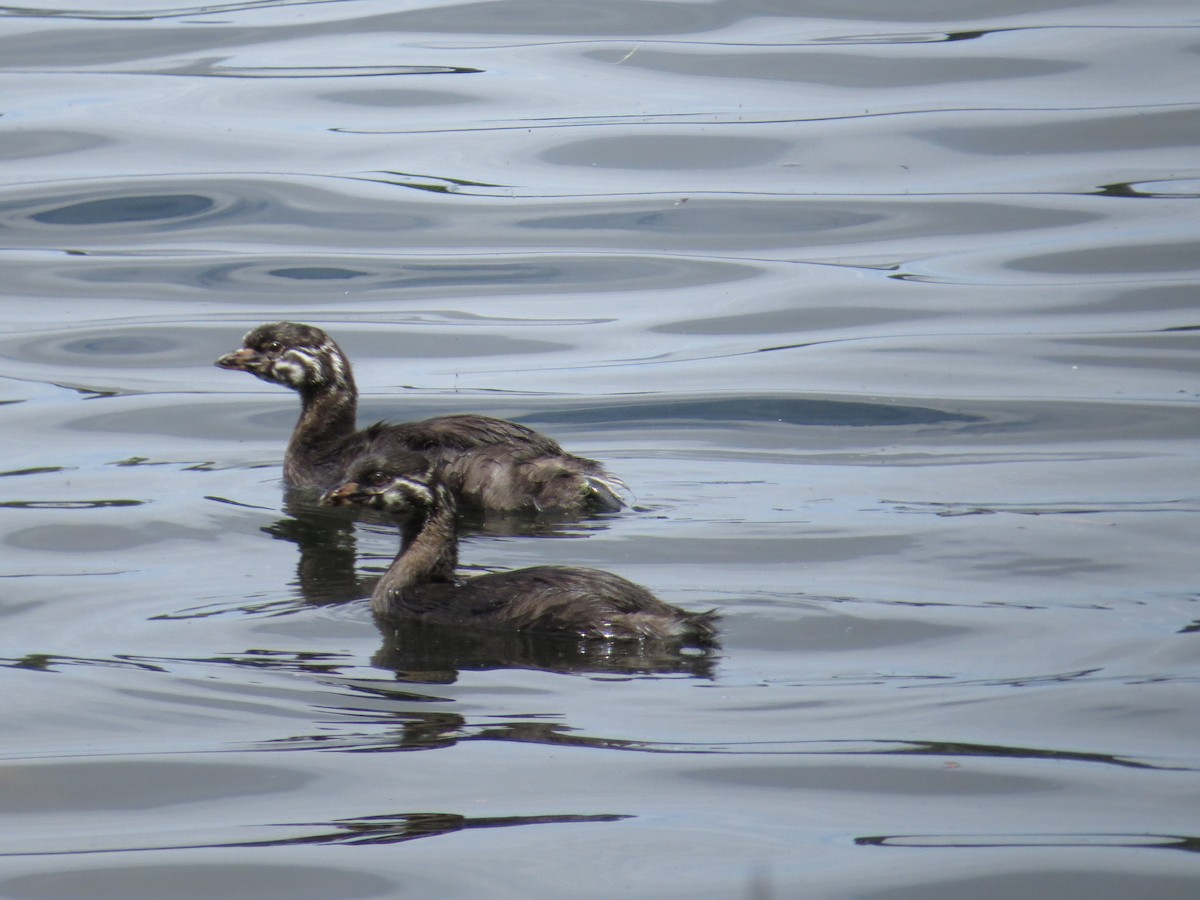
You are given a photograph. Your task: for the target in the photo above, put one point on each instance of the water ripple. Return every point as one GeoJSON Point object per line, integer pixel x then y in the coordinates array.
{"type": "Point", "coordinates": [886, 315]}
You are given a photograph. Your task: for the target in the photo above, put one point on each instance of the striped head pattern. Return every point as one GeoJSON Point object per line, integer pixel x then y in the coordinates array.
{"type": "Point", "coordinates": [301, 357]}
{"type": "Point", "coordinates": [399, 483]}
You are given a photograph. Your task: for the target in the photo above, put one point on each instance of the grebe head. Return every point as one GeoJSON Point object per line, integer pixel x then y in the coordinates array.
{"type": "Point", "coordinates": [301, 357]}
{"type": "Point", "coordinates": [401, 483]}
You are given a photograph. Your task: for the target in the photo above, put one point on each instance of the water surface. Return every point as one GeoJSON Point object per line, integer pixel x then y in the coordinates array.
{"type": "Point", "coordinates": [886, 315]}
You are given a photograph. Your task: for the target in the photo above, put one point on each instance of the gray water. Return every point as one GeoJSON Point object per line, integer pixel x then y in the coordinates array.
{"type": "Point", "coordinates": [886, 312]}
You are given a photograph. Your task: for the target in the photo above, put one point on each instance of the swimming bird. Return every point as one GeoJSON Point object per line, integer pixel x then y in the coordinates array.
{"type": "Point", "coordinates": [491, 464]}
{"type": "Point", "coordinates": [421, 584]}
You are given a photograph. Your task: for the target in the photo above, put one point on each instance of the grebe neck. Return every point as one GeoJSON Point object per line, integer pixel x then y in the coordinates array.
{"type": "Point", "coordinates": [328, 413]}
{"type": "Point", "coordinates": [428, 552]}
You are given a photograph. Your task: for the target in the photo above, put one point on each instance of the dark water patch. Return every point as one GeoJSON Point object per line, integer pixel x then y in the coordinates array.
{"type": "Point", "coordinates": [120, 345]}
{"type": "Point", "coordinates": [127, 209]}
{"type": "Point", "coordinates": [778, 222]}
{"type": "Point", "coordinates": [714, 217]}
{"type": "Point", "coordinates": [1129, 260]}
{"type": "Point", "coordinates": [135, 785]}
{"type": "Point", "coordinates": [263, 280]}
{"type": "Point", "coordinates": [146, 49]}
{"type": "Point", "coordinates": [123, 346]}
{"type": "Point", "coordinates": [704, 224]}
{"type": "Point", "coordinates": [193, 421]}
{"type": "Point", "coordinates": [198, 881]}
{"type": "Point", "coordinates": [1044, 425]}
{"type": "Point", "coordinates": [130, 206]}
{"type": "Point", "coordinates": [666, 151]}
{"type": "Point", "coordinates": [753, 409]}
{"type": "Point", "coordinates": [1153, 298]}
{"type": "Point", "coordinates": [1074, 133]}
{"type": "Point", "coordinates": [1171, 353]}
{"type": "Point", "coordinates": [650, 18]}
{"type": "Point", "coordinates": [317, 273]}
{"type": "Point", "coordinates": [570, 17]}
{"type": "Point", "coordinates": [33, 143]}
{"type": "Point", "coordinates": [76, 47]}
{"type": "Point", "coordinates": [71, 538]}
{"type": "Point", "coordinates": [841, 70]}
{"type": "Point", "coordinates": [880, 780]}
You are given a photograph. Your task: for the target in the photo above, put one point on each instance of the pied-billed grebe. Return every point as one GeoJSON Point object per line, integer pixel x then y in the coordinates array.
{"type": "Point", "coordinates": [489, 463]}
{"type": "Point", "coordinates": [420, 584]}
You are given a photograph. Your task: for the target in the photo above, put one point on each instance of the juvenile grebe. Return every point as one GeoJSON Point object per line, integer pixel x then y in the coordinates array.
{"type": "Point", "coordinates": [489, 463]}
{"type": "Point", "coordinates": [420, 584]}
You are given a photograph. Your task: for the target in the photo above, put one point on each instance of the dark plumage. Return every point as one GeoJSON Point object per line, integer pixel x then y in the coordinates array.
{"type": "Point", "coordinates": [421, 585]}
{"type": "Point", "coordinates": [489, 463]}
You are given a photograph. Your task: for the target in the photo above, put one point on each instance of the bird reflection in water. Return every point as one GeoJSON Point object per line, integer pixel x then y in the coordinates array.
{"type": "Point", "coordinates": [435, 654]}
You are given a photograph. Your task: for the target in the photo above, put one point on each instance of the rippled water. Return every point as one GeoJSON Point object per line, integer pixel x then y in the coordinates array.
{"type": "Point", "coordinates": [886, 313]}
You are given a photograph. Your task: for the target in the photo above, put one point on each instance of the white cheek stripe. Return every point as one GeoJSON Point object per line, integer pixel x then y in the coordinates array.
{"type": "Point", "coordinates": [415, 488]}
{"type": "Point", "coordinates": [288, 373]}
{"type": "Point", "coordinates": [297, 367]}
